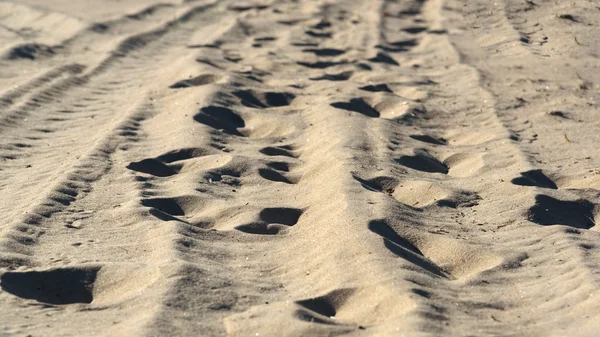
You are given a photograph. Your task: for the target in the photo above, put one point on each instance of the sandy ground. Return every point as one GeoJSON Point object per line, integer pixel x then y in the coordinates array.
{"type": "Point", "coordinates": [299, 168]}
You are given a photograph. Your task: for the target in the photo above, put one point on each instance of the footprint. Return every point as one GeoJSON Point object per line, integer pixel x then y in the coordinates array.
{"type": "Point", "coordinates": [53, 286]}
{"type": "Point", "coordinates": [273, 175]}
{"type": "Point", "coordinates": [321, 35]}
{"type": "Point", "coordinates": [376, 88]}
{"type": "Point", "coordinates": [304, 44]}
{"type": "Point", "coordinates": [429, 139]}
{"type": "Point", "coordinates": [265, 38]}
{"type": "Point", "coordinates": [358, 307]}
{"type": "Point", "coordinates": [464, 164]}
{"type": "Point", "coordinates": [550, 211]}
{"type": "Point", "coordinates": [166, 205]}
{"type": "Point", "coordinates": [390, 106]}
{"type": "Point", "coordinates": [195, 81]}
{"type": "Point", "coordinates": [158, 166]}
{"type": "Point", "coordinates": [326, 305]}
{"type": "Point", "coordinates": [534, 178]}
{"type": "Point", "coordinates": [246, 7]}
{"type": "Point", "coordinates": [443, 256]}
{"type": "Point", "coordinates": [320, 64]}
{"type": "Point", "coordinates": [357, 105]}
{"type": "Point", "coordinates": [220, 118]}
{"type": "Point", "coordinates": [177, 206]}
{"type": "Point", "coordinates": [327, 52]}
{"type": "Point", "coordinates": [422, 194]}
{"type": "Point", "coordinates": [404, 248]}
{"type": "Point", "coordinates": [273, 221]}
{"type": "Point", "coordinates": [378, 184]}
{"type": "Point", "coordinates": [281, 215]}
{"type": "Point", "coordinates": [423, 161]}
{"type": "Point", "coordinates": [343, 76]}
{"type": "Point", "coordinates": [152, 166]}
{"type": "Point", "coordinates": [225, 175]}
{"type": "Point", "coordinates": [410, 12]}
{"type": "Point", "coordinates": [384, 58]}
{"type": "Point", "coordinates": [322, 24]}
{"type": "Point", "coordinates": [31, 51]}
{"type": "Point", "coordinates": [284, 150]}
{"type": "Point", "coordinates": [279, 166]}
{"type": "Point", "coordinates": [399, 46]}
{"type": "Point", "coordinates": [415, 30]}
{"type": "Point", "coordinates": [252, 99]}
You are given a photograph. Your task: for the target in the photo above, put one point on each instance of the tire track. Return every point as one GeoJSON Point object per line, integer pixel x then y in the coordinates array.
{"type": "Point", "coordinates": [32, 240]}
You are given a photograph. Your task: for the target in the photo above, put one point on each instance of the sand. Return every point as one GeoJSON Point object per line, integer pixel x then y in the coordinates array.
{"type": "Point", "coordinates": [299, 168]}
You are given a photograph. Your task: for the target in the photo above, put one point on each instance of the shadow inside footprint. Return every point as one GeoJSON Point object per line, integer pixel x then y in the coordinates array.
{"type": "Point", "coordinates": [376, 88]}
{"type": "Point", "coordinates": [273, 175]}
{"type": "Point", "coordinates": [55, 286]}
{"type": "Point", "coordinates": [319, 305]}
{"type": "Point", "coordinates": [550, 211]}
{"type": "Point", "coordinates": [378, 184]}
{"type": "Point", "coordinates": [319, 64]}
{"type": "Point", "coordinates": [357, 105]}
{"type": "Point", "coordinates": [279, 166]}
{"type": "Point", "coordinates": [384, 58]}
{"type": "Point", "coordinates": [220, 118]}
{"type": "Point", "coordinates": [252, 99]}
{"type": "Point", "coordinates": [281, 215]}
{"type": "Point", "coordinates": [403, 248]}
{"type": "Point", "coordinates": [273, 221]}
{"type": "Point", "coordinates": [398, 46]}
{"type": "Point", "coordinates": [194, 82]}
{"type": "Point", "coordinates": [312, 33]}
{"type": "Point", "coordinates": [423, 161]}
{"type": "Point", "coordinates": [153, 167]}
{"type": "Point", "coordinates": [284, 150]}
{"type": "Point", "coordinates": [328, 304]}
{"type": "Point", "coordinates": [415, 30]}
{"type": "Point", "coordinates": [534, 178]}
{"type": "Point", "coordinates": [429, 139]}
{"type": "Point", "coordinates": [166, 205]}
{"type": "Point", "coordinates": [343, 76]}
{"type": "Point", "coordinates": [30, 51]}
{"type": "Point", "coordinates": [325, 51]}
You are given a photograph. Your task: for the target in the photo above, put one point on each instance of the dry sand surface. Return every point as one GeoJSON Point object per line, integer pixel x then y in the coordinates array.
{"type": "Point", "coordinates": [299, 168]}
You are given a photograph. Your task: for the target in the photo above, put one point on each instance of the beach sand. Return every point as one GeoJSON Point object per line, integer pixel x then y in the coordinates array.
{"type": "Point", "coordinates": [299, 168]}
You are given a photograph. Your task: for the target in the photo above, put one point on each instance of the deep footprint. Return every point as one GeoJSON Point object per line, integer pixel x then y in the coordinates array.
{"type": "Point", "coordinates": [343, 76]}
{"type": "Point", "coordinates": [325, 51]}
{"type": "Point", "coordinates": [376, 88]}
{"type": "Point", "coordinates": [423, 161]}
{"type": "Point", "coordinates": [384, 58]}
{"type": "Point", "coordinates": [550, 211]}
{"type": "Point", "coordinates": [534, 178]}
{"type": "Point", "coordinates": [284, 150]}
{"type": "Point", "coordinates": [254, 99]}
{"type": "Point", "coordinates": [55, 286]}
{"type": "Point", "coordinates": [320, 64]}
{"type": "Point", "coordinates": [220, 118]}
{"type": "Point", "coordinates": [195, 81]}
{"type": "Point", "coordinates": [273, 221]}
{"type": "Point", "coordinates": [403, 248]}
{"type": "Point", "coordinates": [153, 167]}
{"type": "Point", "coordinates": [357, 105]}
{"type": "Point", "coordinates": [429, 139]}
{"type": "Point", "coordinates": [273, 175]}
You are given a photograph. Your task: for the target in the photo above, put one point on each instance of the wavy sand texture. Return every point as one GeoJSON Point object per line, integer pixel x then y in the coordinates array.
{"type": "Point", "coordinates": [299, 168]}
